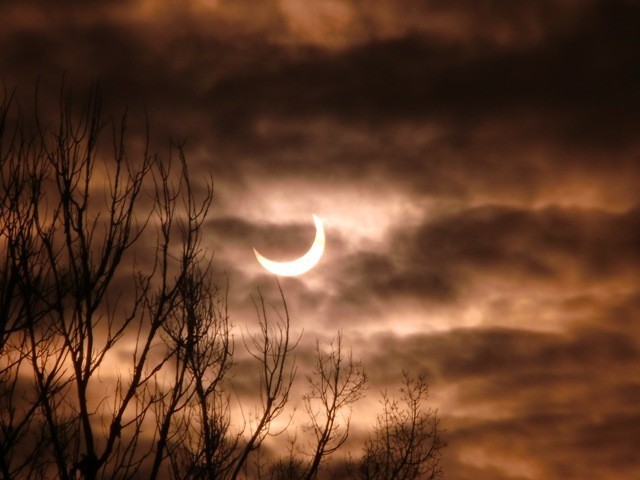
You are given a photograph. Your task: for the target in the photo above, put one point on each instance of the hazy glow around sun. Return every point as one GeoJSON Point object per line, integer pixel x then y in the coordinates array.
{"type": "Point", "coordinates": [358, 216]}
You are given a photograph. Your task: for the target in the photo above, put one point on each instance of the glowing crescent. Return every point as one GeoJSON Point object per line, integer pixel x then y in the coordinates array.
{"type": "Point", "coordinates": [300, 265]}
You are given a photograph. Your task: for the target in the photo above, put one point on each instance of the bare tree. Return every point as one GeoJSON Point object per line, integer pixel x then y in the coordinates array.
{"type": "Point", "coordinates": [337, 383]}
{"type": "Point", "coordinates": [65, 235]}
{"type": "Point", "coordinates": [406, 441]}
{"type": "Point", "coordinates": [204, 445]}
{"type": "Point", "coordinates": [201, 441]}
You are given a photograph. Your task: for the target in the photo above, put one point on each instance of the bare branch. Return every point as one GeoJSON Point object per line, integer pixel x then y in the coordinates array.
{"type": "Point", "coordinates": [336, 383]}
{"type": "Point", "coordinates": [406, 441]}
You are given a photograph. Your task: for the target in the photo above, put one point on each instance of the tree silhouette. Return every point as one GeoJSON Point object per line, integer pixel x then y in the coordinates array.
{"type": "Point", "coordinates": [406, 441]}
{"type": "Point", "coordinates": [103, 274]}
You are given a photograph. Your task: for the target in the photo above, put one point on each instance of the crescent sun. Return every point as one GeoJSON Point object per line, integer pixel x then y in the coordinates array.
{"type": "Point", "coordinates": [302, 264]}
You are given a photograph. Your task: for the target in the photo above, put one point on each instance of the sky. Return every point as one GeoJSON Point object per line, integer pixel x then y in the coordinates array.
{"type": "Point", "coordinates": [477, 167]}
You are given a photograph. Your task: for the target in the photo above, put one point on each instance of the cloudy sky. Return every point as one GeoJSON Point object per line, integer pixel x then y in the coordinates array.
{"type": "Point", "coordinates": [477, 166]}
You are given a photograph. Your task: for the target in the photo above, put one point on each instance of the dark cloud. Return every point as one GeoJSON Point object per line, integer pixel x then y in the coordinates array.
{"type": "Point", "coordinates": [565, 396]}
{"type": "Point", "coordinates": [584, 67]}
{"type": "Point", "coordinates": [270, 239]}
{"type": "Point", "coordinates": [521, 120]}
{"type": "Point", "coordinates": [536, 243]}
{"type": "Point", "coordinates": [483, 117]}
{"type": "Point", "coordinates": [444, 257]}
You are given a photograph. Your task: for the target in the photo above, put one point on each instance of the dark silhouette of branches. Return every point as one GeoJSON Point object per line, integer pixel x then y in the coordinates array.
{"type": "Point", "coordinates": [117, 352]}
{"type": "Point", "coordinates": [336, 383]}
{"type": "Point", "coordinates": [272, 348]}
{"type": "Point", "coordinates": [200, 442]}
{"type": "Point", "coordinates": [65, 235]}
{"type": "Point", "coordinates": [21, 174]}
{"type": "Point", "coordinates": [406, 441]}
